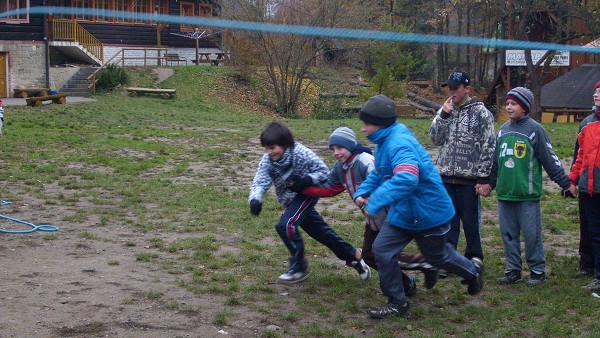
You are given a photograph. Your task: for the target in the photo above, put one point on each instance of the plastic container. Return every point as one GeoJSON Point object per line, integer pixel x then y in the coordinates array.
{"type": "Point", "coordinates": [53, 92]}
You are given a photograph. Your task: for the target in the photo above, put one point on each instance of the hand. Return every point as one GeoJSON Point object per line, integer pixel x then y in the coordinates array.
{"type": "Point", "coordinates": [296, 183]}
{"type": "Point", "coordinates": [362, 202]}
{"type": "Point", "coordinates": [570, 192]}
{"type": "Point", "coordinates": [448, 106]}
{"type": "Point", "coordinates": [255, 207]}
{"type": "Point", "coordinates": [483, 189]}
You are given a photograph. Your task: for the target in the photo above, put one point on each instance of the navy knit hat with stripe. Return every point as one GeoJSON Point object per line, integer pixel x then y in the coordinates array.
{"type": "Point", "coordinates": [343, 137]}
{"type": "Point", "coordinates": [523, 97]}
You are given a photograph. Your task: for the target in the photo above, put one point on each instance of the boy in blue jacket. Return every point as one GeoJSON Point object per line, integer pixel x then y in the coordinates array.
{"type": "Point", "coordinates": [354, 163]}
{"type": "Point", "coordinates": [291, 167]}
{"type": "Point", "coordinates": [406, 181]}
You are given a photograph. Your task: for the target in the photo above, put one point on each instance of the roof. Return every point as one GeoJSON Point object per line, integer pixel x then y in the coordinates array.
{"type": "Point", "coordinates": [572, 90]}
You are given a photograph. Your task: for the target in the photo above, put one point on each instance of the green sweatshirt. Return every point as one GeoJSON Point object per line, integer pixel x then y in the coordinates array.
{"type": "Point", "coordinates": [523, 148]}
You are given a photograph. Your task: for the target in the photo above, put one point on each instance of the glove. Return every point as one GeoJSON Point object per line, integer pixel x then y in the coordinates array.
{"type": "Point", "coordinates": [566, 193]}
{"type": "Point", "coordinates": [296, 183]}
{"type": "Point", "coordinates": [255, 207]}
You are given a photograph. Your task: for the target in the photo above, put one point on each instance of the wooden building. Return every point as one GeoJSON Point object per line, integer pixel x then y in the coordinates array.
{"type": "Point", "coordinates": [31, 45]}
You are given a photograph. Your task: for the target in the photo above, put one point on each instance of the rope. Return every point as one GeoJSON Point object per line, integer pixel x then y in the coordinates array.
{"type": "Point", "coordinates": [330, 32]}
{"type": "Point", "coordinates": [42, 227]}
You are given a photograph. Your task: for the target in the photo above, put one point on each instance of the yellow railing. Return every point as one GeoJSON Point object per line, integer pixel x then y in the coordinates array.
{"type": "Point", "coordinates": [70, 30]}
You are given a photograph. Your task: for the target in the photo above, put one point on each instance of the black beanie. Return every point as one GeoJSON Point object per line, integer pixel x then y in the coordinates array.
{"type": "Point", "coordinates": [379, 110]}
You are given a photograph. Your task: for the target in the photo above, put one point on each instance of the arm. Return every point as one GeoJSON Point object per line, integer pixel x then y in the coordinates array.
{"type": "Point", "coordinates": [438, 132]}
{"type": "Point", "coordinates": [577, 164]}
{"type": "Point", "coordinates": [262, 180]}
{"type": "Point", "coordinates": [550, 161]}
{"type": "Point", "coordinates": [316, 191]}
{"type": "Point", "coordinates": [403, 182]}
{"type": "Point", "coordinates": [488, 147]}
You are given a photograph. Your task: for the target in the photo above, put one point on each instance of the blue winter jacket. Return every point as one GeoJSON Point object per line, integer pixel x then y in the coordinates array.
{"type": "Point", "coordinates": [405, 180]}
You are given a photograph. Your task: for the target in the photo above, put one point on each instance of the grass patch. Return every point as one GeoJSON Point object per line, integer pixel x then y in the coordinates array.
{"type": "Point", "coordinates": [178, 172]}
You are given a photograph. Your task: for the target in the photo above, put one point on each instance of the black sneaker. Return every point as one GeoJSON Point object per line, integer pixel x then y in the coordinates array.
{"type": "Point", "coordinates": [475, 285]}
{"type": "Point", "coordinates": [584, 273]}
{"type": "Point", "coordinates": [510, 277]}
{"type": "Point", "coordinates": [536, 279]}
{"type": "Point", "coordinates": [390, 309]}
{"type": "Point", "coordinates": [431, 277]}
{"type": "Point", "coordinates": [411, 290]}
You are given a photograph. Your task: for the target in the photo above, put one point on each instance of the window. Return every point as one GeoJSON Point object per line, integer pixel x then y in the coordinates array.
{"type": "Point", "coordinates": [11, 5]}
{"type": "Point", "coordinates": [190, 9]}
{"type": "Point", "coordinates": [133, 11]}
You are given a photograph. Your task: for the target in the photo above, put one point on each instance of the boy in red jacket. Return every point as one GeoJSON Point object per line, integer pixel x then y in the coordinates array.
{"type": "Point", "coordinates": [586, 171]}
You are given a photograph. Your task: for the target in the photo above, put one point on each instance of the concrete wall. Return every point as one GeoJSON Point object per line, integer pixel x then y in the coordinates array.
{"type": "Point", "coordinates": [60, 75]}
{"type": "Point", "coordinates": [26, 64]}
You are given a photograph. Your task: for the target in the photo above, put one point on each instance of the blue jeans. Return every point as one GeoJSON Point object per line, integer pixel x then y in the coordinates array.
{"type": "Point", "coordinates": [526, 217]}
{"type": "Point", "coordinates": [301, 212]}
{"type": "Point", "coordinates": [468, 210]}
{"type": "Point", "coordinates": [433, 245]}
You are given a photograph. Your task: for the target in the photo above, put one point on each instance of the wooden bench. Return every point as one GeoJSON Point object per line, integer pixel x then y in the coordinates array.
{"type": "Point", "coordinates": [164, 93]}
{"type": "Point", "coordinates": [25, 92]}
{"type": "Point", "coordinates": [173, 57]}
{"type": "Point", "coordinates": [39, 100]}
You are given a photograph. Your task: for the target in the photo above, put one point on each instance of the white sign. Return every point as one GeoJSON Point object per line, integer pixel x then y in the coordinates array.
{"type": "Point", "coordinates": [516, 57]}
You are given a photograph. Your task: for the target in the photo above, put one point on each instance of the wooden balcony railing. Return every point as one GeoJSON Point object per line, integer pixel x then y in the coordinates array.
{"type": "Point", "coordinates": [70, 30]}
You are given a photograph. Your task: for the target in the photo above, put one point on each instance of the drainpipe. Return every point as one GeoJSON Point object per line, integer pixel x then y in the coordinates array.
{"type": "Point", "coordinates": [47, 48]}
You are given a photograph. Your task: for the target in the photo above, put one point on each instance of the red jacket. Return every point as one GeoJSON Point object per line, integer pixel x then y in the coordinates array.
{"type": "Point", "coordinates": [586, 167]}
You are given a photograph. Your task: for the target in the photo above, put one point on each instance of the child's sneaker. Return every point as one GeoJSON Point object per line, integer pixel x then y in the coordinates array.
{"type": "Point", "coordinates": [475, 285]}
{"type": "Point", "coordinates": [510, 277]}
{"type": "Point", "coordinates": [431, 277]}
{"type": "Point", "coordinates": [536, 279]}
{"type": "Point", "coordinates": [390, 309]}
{"type": "Point", "coordinates": [364, 271]}
{"type": "Point", "coordinates": [411, 290]}
{"type": "Point", "coordinates": [593, 286]}
{"type": "Point", "coordinates": [292, 277]}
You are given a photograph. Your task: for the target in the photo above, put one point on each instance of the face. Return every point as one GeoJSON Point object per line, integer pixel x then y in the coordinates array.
{"type": "Point", "coordinates": [597, 98]}
{"type": "Point", "coordinates": [513, 109]}
{"type": "Point", "coordinates": [459, 93]}
{"type": "Point", "coordinates": [369, 128]}
{"type": "Point", "coordinates": [340, 153]}
{"type": "Point", "coordinates": [275, 151]}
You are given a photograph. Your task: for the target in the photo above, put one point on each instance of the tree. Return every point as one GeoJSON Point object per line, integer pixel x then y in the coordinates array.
{"type": "Point", "coordinates": [286, 58]}
{"type": "Point", "coordinates": [548, 21]}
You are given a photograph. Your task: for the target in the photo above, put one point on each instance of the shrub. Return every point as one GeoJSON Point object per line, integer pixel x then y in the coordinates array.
{"type": "Point", "coordinates": [112, 77]}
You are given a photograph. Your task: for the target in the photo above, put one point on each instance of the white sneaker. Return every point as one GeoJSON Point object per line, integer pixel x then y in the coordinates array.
{"type": "Point", "coordinates": [292, 277]}
{"type": "Point", "coordinates": [364, 271]}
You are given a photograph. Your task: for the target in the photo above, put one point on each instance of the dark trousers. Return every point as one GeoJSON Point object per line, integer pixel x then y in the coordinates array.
{"type": "Point", "coordinates": [369, 257]}
{"type": "Point", "coordinates": [586, 256]}
{"type": "Point", "coordinates": [591, 210]}
{"type": "Point", "coordinates": [468, 210]}
{"type": "Point", "coordinates": [301, 212]}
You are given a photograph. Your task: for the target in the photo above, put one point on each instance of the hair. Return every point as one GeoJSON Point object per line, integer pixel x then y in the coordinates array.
{"type": "Point", "coordinates": [277, 133]}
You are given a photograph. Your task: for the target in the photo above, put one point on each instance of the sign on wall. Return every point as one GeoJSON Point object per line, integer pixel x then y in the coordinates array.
{"type": "Point", "coordinates": [516, 57]}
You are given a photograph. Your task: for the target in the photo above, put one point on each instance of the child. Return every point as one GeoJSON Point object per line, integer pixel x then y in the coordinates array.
{"type": "Point", "coordinates": [354, 163]}
{"type": "Point", "coordinates": [406, 181]}
{"type": "Point", "coordinates": [586, 170]}
{"type": "Point", "coordinates": [291, 167]}
{"type": "Point", "coordinates": [522, 148]}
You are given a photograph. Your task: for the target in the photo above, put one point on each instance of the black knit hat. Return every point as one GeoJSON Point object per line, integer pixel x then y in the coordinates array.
{"type": "Point", "coordinates": [523, 97]}
{"type": "Point", "coordinates": [379, 110]}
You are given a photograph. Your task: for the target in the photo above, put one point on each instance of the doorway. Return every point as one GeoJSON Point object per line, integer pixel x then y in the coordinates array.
{"type": "Point", "coordinates": [3, 75]}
